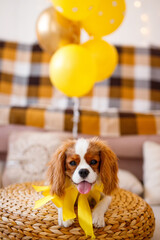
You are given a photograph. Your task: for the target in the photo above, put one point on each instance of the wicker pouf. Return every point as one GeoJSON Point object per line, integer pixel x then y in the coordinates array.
{"type": "Point", "coordinates": [129, 217]}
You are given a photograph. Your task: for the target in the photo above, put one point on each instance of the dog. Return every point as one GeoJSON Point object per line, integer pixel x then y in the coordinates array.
{"type": "Point", "coordinates": [85, 162]}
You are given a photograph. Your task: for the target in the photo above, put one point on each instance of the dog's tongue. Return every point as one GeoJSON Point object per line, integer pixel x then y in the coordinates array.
{"type": "Point", "coordinates": [84, 187]}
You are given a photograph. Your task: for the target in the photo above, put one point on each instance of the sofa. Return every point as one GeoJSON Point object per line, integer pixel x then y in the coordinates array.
{"type": "Point", "coordinates": [127, 148]}
{"type": "Point", "coordinates": [123, 110]}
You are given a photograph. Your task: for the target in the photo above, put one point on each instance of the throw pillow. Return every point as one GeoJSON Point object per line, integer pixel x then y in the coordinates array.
{"type": "Point", "coordinates": [129, 182]}
{"type": "Point", "coordinates": [28, 155]}
{"type": "Point", "coordinates": [151, 172]}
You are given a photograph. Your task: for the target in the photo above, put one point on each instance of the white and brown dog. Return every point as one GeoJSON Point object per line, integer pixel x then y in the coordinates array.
{"type": "Point", "coordinates": [85, 162]}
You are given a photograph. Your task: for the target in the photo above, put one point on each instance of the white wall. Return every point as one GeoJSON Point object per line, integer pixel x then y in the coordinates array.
{"type": "Point", "coordinates": [140, 27]}
{"type": "Point", "coordinates": [18, 19]}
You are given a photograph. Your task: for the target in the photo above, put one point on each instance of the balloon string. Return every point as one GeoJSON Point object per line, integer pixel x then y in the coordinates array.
{"type": "Point", "coordinates": [75, 117]}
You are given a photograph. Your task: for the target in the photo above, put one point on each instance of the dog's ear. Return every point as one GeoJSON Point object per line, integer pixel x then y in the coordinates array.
{"type": "Point", "coordinates": [56, 172]}
{"type": "Point", "coordinates": [108, 166]}
{"type": "Point", "coordinates": [108, 170]}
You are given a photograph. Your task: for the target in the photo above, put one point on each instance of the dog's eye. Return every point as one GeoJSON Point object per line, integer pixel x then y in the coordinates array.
{"type": "Point", "coordinates": [93, 162]}
{"type": "Point", "coordinates": [72, 163]}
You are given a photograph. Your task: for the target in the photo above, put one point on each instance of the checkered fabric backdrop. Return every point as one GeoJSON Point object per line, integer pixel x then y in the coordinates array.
{"type": "Point", "coordinates": [127, 103]}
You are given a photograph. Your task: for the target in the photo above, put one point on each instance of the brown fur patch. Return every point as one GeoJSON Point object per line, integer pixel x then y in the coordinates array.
{"type": "Point", "coordinates": [92, 155]}
{"type": "Point", "coordinates": [108, 165]}
{"type": "Point", "coordinates": [69, 168]}
{"type": "Point", "coordinates": [56, 171]}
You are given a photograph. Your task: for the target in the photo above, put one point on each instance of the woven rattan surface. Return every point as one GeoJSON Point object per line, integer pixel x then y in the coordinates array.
{"type": "Point", "coordinates": [128, 217]}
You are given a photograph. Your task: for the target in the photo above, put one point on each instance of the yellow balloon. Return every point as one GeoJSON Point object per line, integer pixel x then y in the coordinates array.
{"type": "Point", "coordinates": [106, 18]}
{"type": "Point", "coordinates": [73, 70]}
{"type": "Point", "coordinates": [105, 56]}
{"type": "Point", "coordinates": [75, 10]}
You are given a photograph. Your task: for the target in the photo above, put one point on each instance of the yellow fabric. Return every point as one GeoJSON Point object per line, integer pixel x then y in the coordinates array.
{"type": "Point", "coordinates": [57, 201]}
{"type": "Point", "coordinates": [85, 215]}
{"type": "Point", "coordinates": [47, 197]}
{"type": "Point", "coordinates": [42, 201]}
{"type": "Point", "coordinates": [95, 195]}
{"type": "Point", "coordinates": [41, 188]}
{"type": "Point", "coordinates": [67, 202]}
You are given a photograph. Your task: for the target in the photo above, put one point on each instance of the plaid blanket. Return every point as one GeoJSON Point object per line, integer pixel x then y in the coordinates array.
{"type": "Point", "coordinates": [110, 123]}
{"type": "Point", "coordinates": [127, 103]}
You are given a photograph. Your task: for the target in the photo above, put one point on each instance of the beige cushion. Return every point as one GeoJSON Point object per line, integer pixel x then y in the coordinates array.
{"type": "Point", "coordinates": [129, 182]}
{"type": "Point", "coordinates": [6, 131]}
{"type": "Point", "coordinates": [28, 155]}
{"type": "Point", "coordinates": [151, 172]}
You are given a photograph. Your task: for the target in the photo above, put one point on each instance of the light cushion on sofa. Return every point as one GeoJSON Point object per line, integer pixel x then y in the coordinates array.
{"type": "Point", "coordinates": [129, 182]}
{"type": "Point", "coordinates": [151, 172]}
{"type": "Point", "coordinates": [28, 155]}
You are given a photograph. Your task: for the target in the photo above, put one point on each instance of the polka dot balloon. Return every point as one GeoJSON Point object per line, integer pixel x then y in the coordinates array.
{"type": "Point", "coordinates": [106, 18]}
{"type": "Point", "coordinates": [75, 10]}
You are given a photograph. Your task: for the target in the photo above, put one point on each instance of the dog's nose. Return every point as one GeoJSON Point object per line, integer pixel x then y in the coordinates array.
{"type": "Point", "coordinates": [83, 172]}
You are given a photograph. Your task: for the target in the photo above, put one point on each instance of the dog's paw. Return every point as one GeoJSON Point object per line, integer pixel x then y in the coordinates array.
{"type": "Point", "coordinates": [68, 223]}
{"type": "Point", "coordinates": [98, 219]}
{"type": "Point", "coordinates": [62, 223]}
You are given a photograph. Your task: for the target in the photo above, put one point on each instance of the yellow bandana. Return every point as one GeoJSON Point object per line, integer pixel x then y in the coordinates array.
{"type": "Point", "coordinates": [67, 203]}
